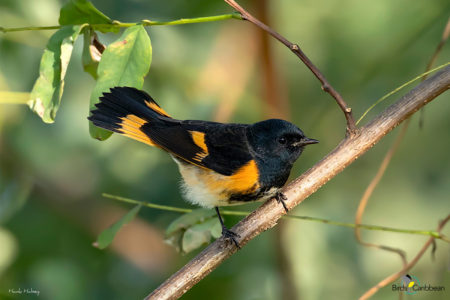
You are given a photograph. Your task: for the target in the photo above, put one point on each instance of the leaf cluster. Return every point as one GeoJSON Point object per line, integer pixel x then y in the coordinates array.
{"type": "Point", "coordinates": [124, 62]}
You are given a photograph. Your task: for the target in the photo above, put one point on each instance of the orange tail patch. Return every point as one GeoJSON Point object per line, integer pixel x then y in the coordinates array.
{"type": "Point", "coordinates": [130, 126]}
{"type": "Point", "coordinates": [155, 107]}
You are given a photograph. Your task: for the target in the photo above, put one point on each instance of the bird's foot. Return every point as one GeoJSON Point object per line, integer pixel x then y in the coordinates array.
{"type": "Point", "coordinates": [280, 199]}
{"type": "Point", "coordinates": [231, 235]}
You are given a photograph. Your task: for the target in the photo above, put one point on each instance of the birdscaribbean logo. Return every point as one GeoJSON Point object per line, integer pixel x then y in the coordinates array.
{"type": "Point", "coordinates": [409, 281]}
{"type": "Point", "coordinates": [411, 285]}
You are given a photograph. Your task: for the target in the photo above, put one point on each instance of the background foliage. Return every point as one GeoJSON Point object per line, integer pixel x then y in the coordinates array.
{"type": "Point", "coordinates": [52, 175]}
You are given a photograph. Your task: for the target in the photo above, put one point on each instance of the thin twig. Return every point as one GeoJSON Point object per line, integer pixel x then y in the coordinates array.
{"type": "Point", "coordinates": [117, 24]}
{"type": "Point", "coordinates": [351, 128]}
{"type": "Point", "coordinates": [267, 215]}
{"type": "Point", "coordinates": [406, 268]}
{"type": "Point", "coordinates": [293, 217]}
{"type": "Point", "coordinates": [444, 38]}
{"type": "Point", "coordinates": [28, 28]}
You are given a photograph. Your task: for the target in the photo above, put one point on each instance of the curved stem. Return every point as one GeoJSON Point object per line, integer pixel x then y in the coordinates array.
{"type": "Point", "coordinates": [293, 217]}
{"type": "Point", "coordinates": [407, 267]}
{"type": "Point", "coordinates": [421, 76]}
{"type": "Point", "coordinates": [29, 28]}
{"type": "Point", "coordinates": [295, 48]}
{"type": "Point", "coordinates": [117, 24]}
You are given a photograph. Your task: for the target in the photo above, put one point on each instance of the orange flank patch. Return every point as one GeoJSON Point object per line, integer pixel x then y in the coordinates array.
{"type": "Point", "coordinates": [131, 127]}
{"type": "Point", "coordinates": [208, 188]}
{"type": "Point", "coordinates": [155, 107]}
{"type": "Point", "coordinates": [245, 180]}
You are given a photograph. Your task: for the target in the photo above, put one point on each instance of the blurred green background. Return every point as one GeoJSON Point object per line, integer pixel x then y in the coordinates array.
{"type": "Point", "coordinates": [52, 176]}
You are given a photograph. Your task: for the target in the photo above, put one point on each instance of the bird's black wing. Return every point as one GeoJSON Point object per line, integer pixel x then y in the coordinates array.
{"type": "Point", "coordinates": [133, 113]}
{"type": "Point", "coordinates": [216, 146]}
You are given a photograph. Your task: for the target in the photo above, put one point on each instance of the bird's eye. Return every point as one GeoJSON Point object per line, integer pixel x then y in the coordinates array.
{"type": "Point", "coordinates": [282, 140]}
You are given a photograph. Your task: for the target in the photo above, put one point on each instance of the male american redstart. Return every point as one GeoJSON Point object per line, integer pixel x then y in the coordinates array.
{"type": "Point", "coordinates": [221, 164]}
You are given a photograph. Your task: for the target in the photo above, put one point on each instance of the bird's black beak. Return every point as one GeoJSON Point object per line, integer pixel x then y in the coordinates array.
{"type": "Point", "coordinates": [306, 141]}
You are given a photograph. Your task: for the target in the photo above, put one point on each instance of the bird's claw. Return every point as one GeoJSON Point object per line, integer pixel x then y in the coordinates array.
{"type": "Point", "coordinates": [280, 199]}
{"type": "Point", "coordinates": [231, 235]}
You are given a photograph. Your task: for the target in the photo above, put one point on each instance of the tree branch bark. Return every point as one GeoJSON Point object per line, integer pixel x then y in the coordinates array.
{"type": "Point", "coordinates": [267, 215]}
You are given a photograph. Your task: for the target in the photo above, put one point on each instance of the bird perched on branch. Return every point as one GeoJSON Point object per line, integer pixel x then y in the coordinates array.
{"type": "Point", "coordinates": [221, 164]}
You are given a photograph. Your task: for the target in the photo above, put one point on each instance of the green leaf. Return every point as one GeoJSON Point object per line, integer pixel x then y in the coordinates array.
{"type": "Point", "coordinates": [175, 240]}
{"type": "Point", "coordinates": [194, 229]}
{"type": "Point", "coordinates": [92, 52]}
{"type": "Point", "coordinates": [106, 237]}
{"type": "Point", "coordinates": [124, 63]}
{"type": "Point", "coordinates": [198, 235]}
{"type": "Point", "coordinates": [48, 88]}
{"type": "Point", "coordinates": [193, 239]}
{"type": "Point", "coordinates": [216, 229]}
{"type": "Point", "coordinates": [189, 219]}
{"type": "Point", "coordinates": [81, 12]}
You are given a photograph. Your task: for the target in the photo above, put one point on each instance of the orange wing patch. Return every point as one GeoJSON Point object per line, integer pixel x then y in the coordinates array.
{"type": "Point", "coordinates": [131, 127]}
{"type": "Point", "coordinates": [155, 107]}
{"type": "Point", "coordinates": [199, 139]}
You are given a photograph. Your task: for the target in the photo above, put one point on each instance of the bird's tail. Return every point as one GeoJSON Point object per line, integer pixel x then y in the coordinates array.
{"type": "Point", "coordinates": [127, 110]}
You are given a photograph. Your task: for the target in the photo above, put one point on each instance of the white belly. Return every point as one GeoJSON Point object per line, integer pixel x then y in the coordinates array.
{"type": "Point", "coordinates": [207, 188]}
{"type": "Point", "coordinates": [194, 186]}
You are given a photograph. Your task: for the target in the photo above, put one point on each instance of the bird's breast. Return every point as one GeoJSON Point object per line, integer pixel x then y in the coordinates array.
{"type": "Point", "coordinates": [274, 172]}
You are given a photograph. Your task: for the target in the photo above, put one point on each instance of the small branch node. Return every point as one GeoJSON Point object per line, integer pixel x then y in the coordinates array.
{"type": "Point", "coordinates": [348, 110]}
{"type": "Point", "coordinates": [325, 88]}
{"type": "Point", "coordinates": [294, 47]}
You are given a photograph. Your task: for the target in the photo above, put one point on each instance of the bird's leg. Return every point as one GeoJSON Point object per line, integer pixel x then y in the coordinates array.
{"type": "Point", "coordinates": [227, 233]}
{"type": "Point", "coordinates": [280, 198]}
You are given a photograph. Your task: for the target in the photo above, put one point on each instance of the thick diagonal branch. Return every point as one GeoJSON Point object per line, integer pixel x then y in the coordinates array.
{"type": "Point", "coordinates": [267, 215]}
{"type": "Point", "coordinates": [326, 86]}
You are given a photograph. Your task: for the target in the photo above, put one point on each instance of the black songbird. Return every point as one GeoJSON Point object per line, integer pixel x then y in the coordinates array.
{"type": "Point", "coordinates": [221, 164]}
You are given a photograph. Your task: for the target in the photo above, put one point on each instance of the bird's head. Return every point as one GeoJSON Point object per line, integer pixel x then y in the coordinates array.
{"type": "Point", "coordinates": [278, 138]}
